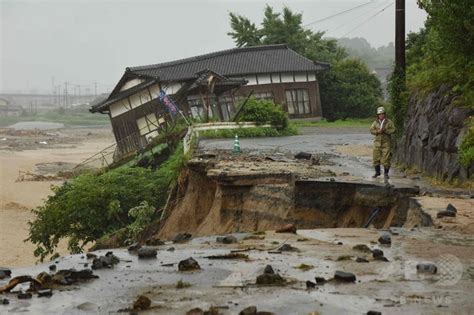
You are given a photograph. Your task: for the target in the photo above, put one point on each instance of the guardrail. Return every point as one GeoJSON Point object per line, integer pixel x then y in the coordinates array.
{"type": "Point", "coordinates": [196, 128]}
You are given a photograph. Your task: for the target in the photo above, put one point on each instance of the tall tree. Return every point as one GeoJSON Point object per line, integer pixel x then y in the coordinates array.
{"type": "Point", "coordinates": [348, 89]}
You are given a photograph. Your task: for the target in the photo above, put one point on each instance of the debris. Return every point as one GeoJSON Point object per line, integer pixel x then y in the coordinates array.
{"type": "Point", "coordinates": [451, 208]}
{"type": "Point", "coordinates": [45, 279]}
{"type": "Point", "coordinates": [303, 156]}
{"type": "Point", "coordinates": [385, 239]}
{"type": "Point", "coordinates": [320, 280]}
{"type": "Point", "coordinates": [154, 242]}
{"type": "Point", "coordinates": [342, 276]}
{"type": "Point", "coordinates": [445, 213]}
{"type": "Point", "coordinates": [15, 281]}
{"type": "Point", "coordinates": [361, 260]}
{"type": "Point", "coordinates": [269, 277]}
{"type": "Point", "coordinates": [171, 249]}
{"type": "Point", "coordinates": [5, 301]}
{"type": "Point", "coordinates": [147, 252]}
{"type": "Point", "coordinates": [426, 268]}
{"type": "Point", "coordinates": [45, 293]}
{"type": "Point", "coordinates": [70, 276]}
{"type": "Point", "coordinates": [106, 261]}
{"type": "Point", "coordinates": [374, 313]}
{"type": "Point", "coordinates": [228, 256]}
{"type": "Point", "coordinates": [287, 248]}
{"type": "Point", "coordinates": [188, 265]}
{"type": "Point", "coordinates": [251, 310]}
{"type": "Point", "coordinates": [344, 257]}
{"type": "Point", "coordinates": [362, 247]}
{"type": "Point", "coordinates": [381, 258]}
{"type": "Point", "coordinates": [377, 253]}
{"type": "Point", "coordinates": [289, 228]}
{"type": "Point", "coordinates": [52, 268]}
{"type": "Point", "coordinates": [305, 267]}
{"type": "Point", "coordinates": [182, 284]}
{"type": "Point", "coordinates": [91, 256]}
{"type": "Point", "coordinates": [142, 303]}
{"type": "Point", "coordinates": [134, 247]}
{"type": "Point", "coordinates": [5, 273]}
{"type": "Point", "coordinates": [310, 285]}
{"type": "Point", "coordinates": [195, 311]}
{"type": "Point", "coordinates": [182, 237]}
{"type": "Point", "coordinates": [24, 295]}
{"type": "Point", "coordinates": [228, 239]}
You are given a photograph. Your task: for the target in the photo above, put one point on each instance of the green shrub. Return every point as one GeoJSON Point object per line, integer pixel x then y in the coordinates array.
{"type": "Point", "coordinates": [250, 132]}
{"type": "Point", "coordinates": [264, 112]}
{"type": "Point", "coordinates": [142, 216]}
{"type": "Point", "coordinates": [91, 206]}
{"type": "Point", "coordinates": [466, 149]}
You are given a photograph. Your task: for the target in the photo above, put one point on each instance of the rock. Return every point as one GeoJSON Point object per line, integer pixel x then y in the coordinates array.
{"type": "Point", "coordinates": [45, 293]}
{"type": "Point", "coordinates": [142, 303]}
{"type": "Point", "coordinates": [24, 295]}
{"type": "Point", "coordinates": [377, 253]}
{"type": "Point", "coordinates": [303, 156]}
{"type": "Point", "coordinates": [52, 268]}
{"type": "Point", "coordinates": [287, 248]}
{"type": "Point", "coordinates": [361, 260]}
{"type": "Point", "coordinates": [289, 228]}
{"type": "Point", "coordinates": [171, 249]}
{"type": "Point", "coordinates": [147, 252]}
{"type": "Point", "coordinates": [182, 237]}
{"type": "Point", "coordinates": [374, 313]}
{"type": "Point", "coordinates": [269, 270]}
{"type": "Point", "coordinates": [320, 280]}
{"type": "Point", "coordinates": [91, 256]}
{"type": "Point", "coordinates": [251, 310]}
{"type": "Point", "coordinates": [451, 208]}
{"type": "Point", "coordinates": [134, 247]}
{"type": "Point", "coordinates": [342, 276]}
{"type": "Point", "coordinates": [426, 268]}
{"type": "Point", "coordinates": [269, 279]}
{"type": "Point", "coordinates": [106, 261]}
{"type": "Point", "coordinates": [228, 239]}
{"type": "Point", "coordinates": [188, 265]}
{"type": "Point", "coordinates": [310, 285]}
{"type": "Point", "coordinates": [339, 243]}
{"type": "Point", "coordinates": [195, 311]}
{"type": "Point", "coordinates": [154, 242]}
{"type": "Point", "coordinates": [385, 239]}
{"type": "Point", "coordinates": [445, 213]}
{"type": "Point", "coordinates": [5, 273]}
{"type": "Point", "coordinates": [88, 307]}
{"type": "Point", "coordinates": [5, 301]}
{"type": "Point", "coordinates": [362, 247]}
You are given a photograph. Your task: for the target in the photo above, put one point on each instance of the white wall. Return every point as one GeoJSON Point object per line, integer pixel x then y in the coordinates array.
{"type": "Point", "coordinates": [131, 83]}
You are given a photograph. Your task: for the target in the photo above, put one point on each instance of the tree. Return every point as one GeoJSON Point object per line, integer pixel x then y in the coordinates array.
{"type": "Point", "coordinates": [345, 91]}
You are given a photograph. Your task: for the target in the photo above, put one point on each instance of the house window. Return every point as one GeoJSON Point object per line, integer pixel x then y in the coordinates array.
{"type": "Point", "coordinates": [197, 108]}
{"type": "Point", "coordinates": [264, 96]}
{"type": "Point", "coordinates": [297, 101]}
{"type": "Point", "coordinates": [148, 126]}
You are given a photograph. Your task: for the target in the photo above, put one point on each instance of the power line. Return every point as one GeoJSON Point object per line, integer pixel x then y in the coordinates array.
{"type": "Point", "coordinates": [339, 13]}
{"type": "Point", "coordinates": [367, 20]}
{"type": "Point", "coordinates": [354, 19]}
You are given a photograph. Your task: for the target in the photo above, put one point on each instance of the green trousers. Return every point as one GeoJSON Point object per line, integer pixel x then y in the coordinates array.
{"type": "Point", "coordinates": [382, 154]}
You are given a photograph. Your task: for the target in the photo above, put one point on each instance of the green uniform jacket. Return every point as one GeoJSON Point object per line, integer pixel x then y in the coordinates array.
{"type": "Point", "coordinates": [382, 139]}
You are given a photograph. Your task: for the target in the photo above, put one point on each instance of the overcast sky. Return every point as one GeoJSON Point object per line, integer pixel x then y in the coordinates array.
{"type": "Point", "coordinates": [83, 41]}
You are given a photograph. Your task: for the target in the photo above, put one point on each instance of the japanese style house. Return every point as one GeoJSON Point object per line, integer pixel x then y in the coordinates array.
{"type": "Point", "coordinates": [210, 85]}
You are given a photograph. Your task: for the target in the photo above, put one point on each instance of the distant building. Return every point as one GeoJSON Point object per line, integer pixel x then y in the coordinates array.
{"type": "Point", "coordinates": [217, 81]}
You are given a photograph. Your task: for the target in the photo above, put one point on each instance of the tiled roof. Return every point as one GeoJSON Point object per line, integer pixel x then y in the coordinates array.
{"type": "Point", "coordinates": [232, 62]}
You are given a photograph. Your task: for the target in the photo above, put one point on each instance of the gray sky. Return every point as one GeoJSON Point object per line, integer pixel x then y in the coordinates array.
{"type": "Point", "coordinates": [82, 41]}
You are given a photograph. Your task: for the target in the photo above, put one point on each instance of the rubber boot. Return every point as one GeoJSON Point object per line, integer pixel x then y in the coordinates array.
{"type": "Point", "coordinates": [385, 172]}
{"type": "Point", "coordinates": [377, 171]}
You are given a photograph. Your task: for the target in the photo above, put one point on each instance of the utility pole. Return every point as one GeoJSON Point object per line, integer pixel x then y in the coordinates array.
{"type": "Point", "coordinates": [400, 38]}
{"type": "Point", "coordinates": [95, 88]}
{"type": "Point", "coordinates": [65, 94]}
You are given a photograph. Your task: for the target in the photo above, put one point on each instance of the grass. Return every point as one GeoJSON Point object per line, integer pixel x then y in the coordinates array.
{"type": "Point", "coordinates": [70, 118]}
{"type": "Point", "coordinates": [249, 132]}
{"type": "Point", "coordinates": [347, 123]}
{"type": "Point", "coordinates": [182, 284]}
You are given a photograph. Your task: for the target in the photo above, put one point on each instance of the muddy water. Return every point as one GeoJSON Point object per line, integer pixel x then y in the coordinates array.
{"type": "Point", "coordinates": [40, 125]}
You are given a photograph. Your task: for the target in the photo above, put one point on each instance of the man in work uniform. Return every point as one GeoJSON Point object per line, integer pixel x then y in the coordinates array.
{"type": "Point", "coordinates": [382, 128]}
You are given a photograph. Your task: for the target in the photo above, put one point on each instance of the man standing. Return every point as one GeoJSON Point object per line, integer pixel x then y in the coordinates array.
{"type": "Point", "coordinates": [382, 128]}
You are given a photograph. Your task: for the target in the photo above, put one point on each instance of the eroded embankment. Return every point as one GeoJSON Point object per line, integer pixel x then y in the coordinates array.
{"type": "Point", "coordinates": [214, 200]}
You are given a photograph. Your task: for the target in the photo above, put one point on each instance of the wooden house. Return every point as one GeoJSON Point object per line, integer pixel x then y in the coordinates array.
{"type": "Point", "coordinates": [210, 85]}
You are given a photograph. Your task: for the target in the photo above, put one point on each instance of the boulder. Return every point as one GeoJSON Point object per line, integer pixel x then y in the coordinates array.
{"type": "Point", "coordinates": [228, 239]}
{"type": "Point", "coordinates": [445, 213]}
{"type": "Point", "coordinates": [385, 239]}
{"type": "Point", "coordinates": [188, 265]}
{"type": "Point", "coordinates": [147, 252]}
{"type": "Point", "coordinates": [426, 268]}
{"type": "Point", "coordinates": [251, 310]}
{"type": "Point", "coordinates": [341, 276]}
{"type": "Point", "coordinates": [142, 303]}
{"type": "Point", "coordinates": [5, 273]}
{"type": "Point", "coordinates": [182, 237]}
{"type": "Point", "coordinates": [377, 253]}
{"type": "Point", "coordinates": [45, 293]}
{"type": "Point", "coordinates": [289, 228]}
{"type": "Point", "coordinates": [362, 247]}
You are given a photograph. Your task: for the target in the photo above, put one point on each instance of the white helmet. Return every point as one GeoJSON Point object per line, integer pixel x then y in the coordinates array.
{"type": "Point", "coordinates": [380, 110]}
